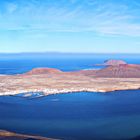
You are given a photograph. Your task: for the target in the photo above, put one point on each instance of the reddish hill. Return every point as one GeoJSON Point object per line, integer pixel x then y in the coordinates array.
{"type": "Point", "coordinates": [112, 71]}
{"type": "Point", "coordinates": [113, 62]}
{"type": "Point", "coordinates": [43, 71]}
{"type": "Point", "coordinates": [115, 71]}
{"type": "Point", "coordinates": [120, 71]}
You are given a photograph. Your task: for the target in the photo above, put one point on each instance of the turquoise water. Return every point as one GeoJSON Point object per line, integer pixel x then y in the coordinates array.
{"type": "Point", "coordinates": [75, 116]}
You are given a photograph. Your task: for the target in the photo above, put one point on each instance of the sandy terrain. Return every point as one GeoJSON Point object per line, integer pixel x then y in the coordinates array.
{"type": "Point", "coordinates": [50, 81]}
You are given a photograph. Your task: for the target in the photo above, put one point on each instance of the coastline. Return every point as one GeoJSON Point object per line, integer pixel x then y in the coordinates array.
{"type": "Point", "coordinates": [6, 135]}
{"type": "Point", "coordinates": [53, 91]}
{"type": "Point", "coordinates": [53, 81]}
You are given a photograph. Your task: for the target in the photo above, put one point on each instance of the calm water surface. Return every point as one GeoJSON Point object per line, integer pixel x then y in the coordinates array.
{"type": "Point", "coordinates": [76, 116]}
{"type": "Point", "coordinates": [15, 64]}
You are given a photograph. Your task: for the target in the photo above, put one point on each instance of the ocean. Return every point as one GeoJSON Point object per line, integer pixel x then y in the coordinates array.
{"type": "Point", "coordinates": [72, 116]}
{"type": "Point", "coordinates": [21, 63]}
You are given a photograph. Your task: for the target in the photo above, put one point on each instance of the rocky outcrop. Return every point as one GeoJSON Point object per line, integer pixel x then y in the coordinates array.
{"type": "Point", "coordinates": [38, 71]}
{"type": "Point", "coordinates": [113, 62]}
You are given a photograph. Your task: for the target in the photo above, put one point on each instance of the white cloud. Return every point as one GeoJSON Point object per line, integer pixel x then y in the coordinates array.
{"type": "Point", "coordinates": [102, 18]}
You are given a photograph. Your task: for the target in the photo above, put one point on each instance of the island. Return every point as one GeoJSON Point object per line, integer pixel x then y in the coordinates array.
{"type": "Point", "coordinates": [53, 81]}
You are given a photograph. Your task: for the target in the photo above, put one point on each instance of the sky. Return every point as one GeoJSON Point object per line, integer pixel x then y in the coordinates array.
{"type": "Point", "coordinates": [84, 26]}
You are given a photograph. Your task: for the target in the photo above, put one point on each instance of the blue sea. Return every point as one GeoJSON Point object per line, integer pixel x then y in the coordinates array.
{"type": "Point", "coordinates": [21, 63]}
{"type": "Point", "coordinates": [72, 116]}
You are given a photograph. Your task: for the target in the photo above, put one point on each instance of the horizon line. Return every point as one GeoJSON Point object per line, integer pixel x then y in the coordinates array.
{"type": "Point", "coordinates": [55, 52]}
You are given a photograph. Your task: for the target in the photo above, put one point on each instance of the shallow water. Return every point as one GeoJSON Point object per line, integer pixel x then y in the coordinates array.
{"type": "Point", "coordinates": [75, 116]}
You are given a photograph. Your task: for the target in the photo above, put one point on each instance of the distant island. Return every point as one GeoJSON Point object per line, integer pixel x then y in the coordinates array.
{"type": "Point", "coordinates": [117, 75]}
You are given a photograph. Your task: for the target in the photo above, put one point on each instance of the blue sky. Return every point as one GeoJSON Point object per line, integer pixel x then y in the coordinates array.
{"type": "Point", "coordinates": [98, 26]}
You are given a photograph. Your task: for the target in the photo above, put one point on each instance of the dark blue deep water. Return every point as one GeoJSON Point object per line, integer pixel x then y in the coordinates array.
{"type": "Point", "coordinates": [75, 116]}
